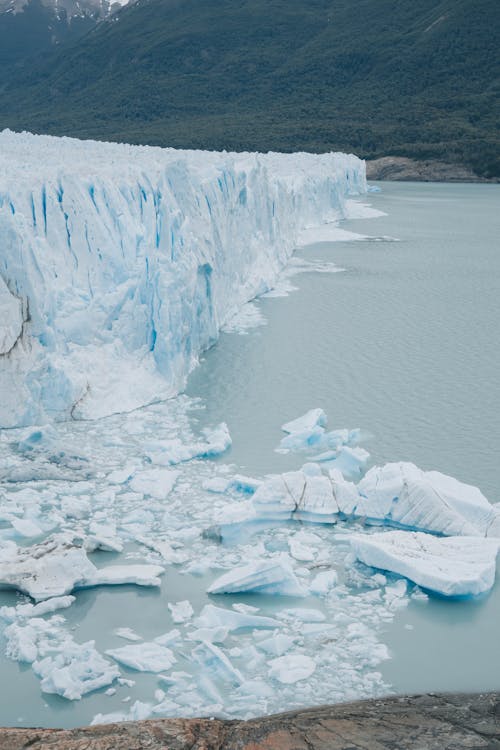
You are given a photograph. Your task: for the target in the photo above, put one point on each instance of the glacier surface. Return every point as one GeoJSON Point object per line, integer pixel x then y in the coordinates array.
{"type": "Point", "coordinates": [120, 264]}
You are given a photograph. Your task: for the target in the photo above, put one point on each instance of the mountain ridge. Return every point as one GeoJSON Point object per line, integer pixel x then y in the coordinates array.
{"type": "Point", "coordinates": [376, 77]}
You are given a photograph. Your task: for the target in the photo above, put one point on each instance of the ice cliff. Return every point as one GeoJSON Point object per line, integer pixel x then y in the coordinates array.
{"type": "Point", "coordinates": [119, 264]}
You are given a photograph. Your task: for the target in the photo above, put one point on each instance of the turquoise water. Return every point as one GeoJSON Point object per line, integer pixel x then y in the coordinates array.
{"type": "Point", "coordinates": [403, 344]}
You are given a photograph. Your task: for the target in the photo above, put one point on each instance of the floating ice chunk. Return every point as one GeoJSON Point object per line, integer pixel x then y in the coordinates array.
{"type": "Point", "coordinates": [212, 617]}
{"type": "Point", "coordinates": [24, 527]}
{"type": "Point", "coordinates": [273, 576]}
{"type": "Point", "coordinates": [103, 536]}
{"type": "Point", "coordinates": [79, 669]}
{"type": "Point", "coordinates": [138, 712]}
{"type": "Point", "coordinates": [453, 566]}
{"type": "Point", "coordinates": [301, 551]}
{"type": "Point", "coordinates": [170, 452]}
{"type": "Point", "coordinates": [52, 568]}
{"type": "Point", "coordinates": [120, 476]}
{"type": "Point", "coordinates": [291, 668]}
{"type": "Point", "coordinates": [308, 421]}
{"type": "Point", "coordinates": [277, 645]}
{"type": "Point", "coordinates": [403, 495]}
{"type": "Point", "coordinates": [75, 506]}
{"type": "Point", "coordinates": [144, 657]}
{"type": "Point", "coordinates": [155, 482]}
{"type": "Point", "coordinates": [303, 614]}
{"type": "Point", "coordinates": [128, 634]}
{"type": "Point", "coordinates": [303, 495]}
{"type": "Point", "coordinates": [217, 485]}
{"type": "Point", "coordinates": [238, 483]}
{"type": "Point", "coordinates": [169, 638]}
{"type": "Point", "coordinates": [345, 493]}
{"type": "Point", "coordinates": [65, 667]}
{"type": "Point", "coordinates": [181, 611]}
{"type": "Point", "coordinates": [351, 462]}
{"type": "Point", "coordinates": [493, 528]}
{"type": "Point", "coordinates": [113, 575]}
{"type": "Point", "coordinates": [212, 635]}
{"type": "Point", "coordinates": [323, 582]}
{"type": "Point", "coordinates": [55, 567]}
{"type": "Point", "coordinates": [171, 552]}
{"type": "Point", "coordinates": [214, 660]}
{"type": "Point", "coordinates": [36, 610]}
{"type": "Point", "coordinates": [300, 441]}
{"type": "Point", "coordinates": [218, 440]}
{"type": "Point", "coordinates": [246, 609]}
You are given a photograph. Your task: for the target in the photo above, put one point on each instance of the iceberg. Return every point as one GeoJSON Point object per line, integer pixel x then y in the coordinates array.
{"type": "Point", "coordinates": [403, 495]}
{"type": "Point", "coordinates": [121, 264]}
{"type": "Point", "coordinates": [450, 566]}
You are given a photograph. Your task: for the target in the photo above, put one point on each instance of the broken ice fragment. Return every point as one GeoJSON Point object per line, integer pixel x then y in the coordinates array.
{"type": "Point", "coordinates": [273, 576]}
{"type": "Point", "coordinates": [181, 611]}
{"type": "Point", "coordinates": [144, 657]}
{"type": "Point", "coordinates": [212, 617]}
{"type": "Point", "coordinates": [403, 495]}
{"type": "Point", "coordinates": [291, 668]}
{"type": "Point", "coordinates": [451, 566]}
{"type": "Point", "coordinates": [57, 566]}
{"type": "Point", "coordinates": [155, 482]}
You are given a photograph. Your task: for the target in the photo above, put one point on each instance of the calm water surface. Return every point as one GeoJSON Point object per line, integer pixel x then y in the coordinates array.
{"type": "Point", "coordinates": [404, 344]}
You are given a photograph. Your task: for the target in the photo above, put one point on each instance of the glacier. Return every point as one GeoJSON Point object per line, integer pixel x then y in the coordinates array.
{"type": "Point", "coordinates": [120, 264]}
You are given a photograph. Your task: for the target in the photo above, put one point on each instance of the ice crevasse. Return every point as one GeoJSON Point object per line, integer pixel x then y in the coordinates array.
{"type": "Point", "coordinates": [119, 264]}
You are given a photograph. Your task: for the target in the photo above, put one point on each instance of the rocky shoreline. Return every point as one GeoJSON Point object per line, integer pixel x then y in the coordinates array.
{"type": "Point", "coordinates": [400, 168]}
{"type": "Point", "coordinates": [419, 722]}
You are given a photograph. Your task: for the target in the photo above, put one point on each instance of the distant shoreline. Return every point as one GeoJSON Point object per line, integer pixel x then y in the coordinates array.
{"type": "Point", "coordinates": [403, 169]}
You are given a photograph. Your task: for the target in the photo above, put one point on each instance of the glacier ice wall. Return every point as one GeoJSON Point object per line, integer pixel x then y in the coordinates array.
{"type": "Point", "coordinates": [119, 264]}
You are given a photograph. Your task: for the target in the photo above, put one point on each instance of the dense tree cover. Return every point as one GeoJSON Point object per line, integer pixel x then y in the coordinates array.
{"type": "Point", "coordinates": [415, 78]}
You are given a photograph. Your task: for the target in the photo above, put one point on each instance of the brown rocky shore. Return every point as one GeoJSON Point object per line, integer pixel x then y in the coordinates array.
{"type": "Point", "coordinates": [400, 168]}
{"type": "Point", "coordinates": [419, 722]}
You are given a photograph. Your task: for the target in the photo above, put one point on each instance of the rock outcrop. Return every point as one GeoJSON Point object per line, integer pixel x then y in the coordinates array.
{"type": "Point", "coordinates": [421, 722]}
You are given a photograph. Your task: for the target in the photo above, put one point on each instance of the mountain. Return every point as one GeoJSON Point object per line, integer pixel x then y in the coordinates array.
{"type": "Point", "coordinates": [32, 27]}
{"type": "Point", "coordinates": [408, 78]}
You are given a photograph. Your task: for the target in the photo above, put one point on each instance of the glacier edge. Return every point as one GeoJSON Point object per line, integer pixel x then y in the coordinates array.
{"type": "Point", "coordinates": [119, 264]}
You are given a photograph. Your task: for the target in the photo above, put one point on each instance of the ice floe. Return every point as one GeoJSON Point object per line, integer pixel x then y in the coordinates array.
{"type": "Point", "coordinates": [451, 566]}
{"type": "Point", "coordinates": [63, 666]}
{"type": "Point", "coordinates": [291, 668]}
{"type": "Point", "coordinates": [273, 576]}
{"type": "Point", "coordinates": [144, 657]}
{"type": "Point", "coordinates": [56, 567]}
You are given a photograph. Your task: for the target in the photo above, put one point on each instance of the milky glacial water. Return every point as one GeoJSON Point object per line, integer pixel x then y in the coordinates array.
{"type": "Point", "coordinates": [402, 343]}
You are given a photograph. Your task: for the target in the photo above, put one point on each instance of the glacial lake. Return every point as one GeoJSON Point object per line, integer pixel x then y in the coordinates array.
{"type": "Point", "coordinates": [402, 343]}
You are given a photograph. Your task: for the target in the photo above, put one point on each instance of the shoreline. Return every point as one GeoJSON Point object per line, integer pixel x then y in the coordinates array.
{"type": "Point", "coordinates": [403, 169]}
{"type": "Point", "coordinates": [427, 721]}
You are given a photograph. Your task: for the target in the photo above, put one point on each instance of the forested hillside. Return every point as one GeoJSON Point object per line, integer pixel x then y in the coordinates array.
{"type": "Point", "coordinates": [417, 78]}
